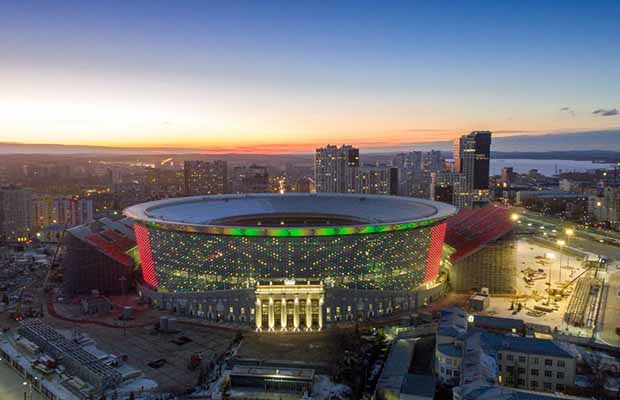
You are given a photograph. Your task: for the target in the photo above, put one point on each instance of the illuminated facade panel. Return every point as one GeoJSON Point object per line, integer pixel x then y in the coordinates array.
{"type": "Point", "coordinates": [190, 262]}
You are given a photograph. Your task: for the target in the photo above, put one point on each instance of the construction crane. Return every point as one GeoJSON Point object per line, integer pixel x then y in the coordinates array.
{"type": "Point", "coordinates": [601, 261]}
{"type": "Point", "coordinates": [46, 286]}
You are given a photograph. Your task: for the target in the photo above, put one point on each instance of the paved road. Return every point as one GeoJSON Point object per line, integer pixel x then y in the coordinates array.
{"type": "Point", "coordinates": [11, 384]}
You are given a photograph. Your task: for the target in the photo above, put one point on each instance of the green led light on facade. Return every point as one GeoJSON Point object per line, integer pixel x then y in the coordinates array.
{"type": "Point", "coordinates": [293, 232]}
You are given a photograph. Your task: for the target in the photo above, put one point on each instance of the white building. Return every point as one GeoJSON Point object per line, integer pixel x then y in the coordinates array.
{"type": "Point", "coordinates": [466, 358]}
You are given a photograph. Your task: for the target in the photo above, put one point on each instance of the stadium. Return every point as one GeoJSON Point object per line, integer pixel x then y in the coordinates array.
{"type": "Point", "coordinates": [289, 262]}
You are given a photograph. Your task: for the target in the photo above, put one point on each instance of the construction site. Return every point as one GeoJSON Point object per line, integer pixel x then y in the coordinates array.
{"type": "Point", "coordinates": [555, 287]}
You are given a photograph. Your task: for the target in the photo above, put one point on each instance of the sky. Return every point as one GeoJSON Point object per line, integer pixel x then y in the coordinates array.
{"type": "Point", "coordinates": [289, 76]}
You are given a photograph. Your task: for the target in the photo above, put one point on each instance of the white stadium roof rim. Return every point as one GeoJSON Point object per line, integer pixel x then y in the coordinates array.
{"type": "Point", "coordinates": [357, 213]}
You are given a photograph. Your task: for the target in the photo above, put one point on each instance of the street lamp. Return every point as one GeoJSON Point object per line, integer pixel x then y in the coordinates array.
{"type": "Point", "coordinates": [569, 232]}
{"type": "Point", "coordinates": [514, 216]}
{"type": "Point", "coordinates": [561, 243]}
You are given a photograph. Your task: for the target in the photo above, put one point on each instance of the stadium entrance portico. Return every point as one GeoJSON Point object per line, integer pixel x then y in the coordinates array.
{"type": "Point", "coordinates": [289, 306]}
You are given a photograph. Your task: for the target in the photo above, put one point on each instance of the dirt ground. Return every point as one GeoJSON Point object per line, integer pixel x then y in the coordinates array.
{"type": "Point", "coordinates": [310, 348]}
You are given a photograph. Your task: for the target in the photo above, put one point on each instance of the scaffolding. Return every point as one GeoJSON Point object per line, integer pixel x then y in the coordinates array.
{"type": "Point", "coordinates": [493, 267]}
{"type": "Point", "coordinates": [70, 354]}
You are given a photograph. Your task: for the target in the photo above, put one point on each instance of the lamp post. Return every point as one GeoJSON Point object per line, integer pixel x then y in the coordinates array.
{"type": "Point", "coordinates": [561, 243]}
{"type": "Point", "coordinates": [569, 232]}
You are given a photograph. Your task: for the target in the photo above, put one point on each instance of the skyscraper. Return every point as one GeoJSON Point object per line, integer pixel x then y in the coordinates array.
{"type": "Point", "coordinates": [335, 168]}
{"type": "Point", "coordinates": [15, 213]}
{"type": "Point", "coordinates": [472, 154]}
{"type": "Point", "coordinates": [204, 177]}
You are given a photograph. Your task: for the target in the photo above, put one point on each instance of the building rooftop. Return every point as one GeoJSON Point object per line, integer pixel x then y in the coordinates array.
{"type": "Point", "coordinates": [396, 366]}
{"type": "Point", "coordinates": [112, 238]}
{"type": "Point", "coordinates": [525, 345]}
{"type": "Point", "coordinates": [450, 350]}
{"type": "Point", "coordinates": [273, 372]}
{"type": "Point", "coordinates": [294, 210]}
{"type": "Point", "coordinates": [419, 385]}
{"type": "Point", "coordinates": [496, 392]}
{"type": "Point", "coordinates": [486, 321]}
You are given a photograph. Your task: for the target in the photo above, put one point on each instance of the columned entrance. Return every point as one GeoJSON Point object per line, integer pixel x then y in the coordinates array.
{"type": "Point", "coordinates": [289, 306]}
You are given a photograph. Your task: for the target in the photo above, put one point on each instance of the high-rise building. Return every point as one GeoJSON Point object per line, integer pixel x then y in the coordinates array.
{"type": "Point", "coordinates": [335, 168]}
{"type": "Point", "coordinates": [433, 161]}
{"type": "Point", "coordinates": [379, 179]}
{"type": "Point", "coordinates": [252, 179]}
{"type": "Point", "coordinates": [472, 154]}
{"type": "Point", "coordinates": [15, 213]}
{"type": "Point", "coordinates": [606, 208]}
{"type": "Point", "coordinates": [48, 210]}
{"type": "Point", "coordinates": [451, 187]}
{"type": "Point", "coordinates": [508, 175]}
{"type": "Point", "coordinates": [414, 171]}
{"type": "Point", "coordinates": [204, 177]}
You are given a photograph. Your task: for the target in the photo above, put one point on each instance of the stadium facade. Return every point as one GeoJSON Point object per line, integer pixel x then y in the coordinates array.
{"type": "Point", "coordinates": [289, 262]}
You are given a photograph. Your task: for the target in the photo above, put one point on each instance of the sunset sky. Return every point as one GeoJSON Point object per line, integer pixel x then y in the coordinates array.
{"type": "Point", "coordinates": [290, 75]}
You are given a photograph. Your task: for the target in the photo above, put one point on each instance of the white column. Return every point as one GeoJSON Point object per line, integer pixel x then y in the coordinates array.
{"type": "Point", "coordinates": [283, 318]}
{"type": "Point", "coordinates": [271, 314]}
{"type": "Point", "coordinates": [321, 313]}
{"type": "Point", "coordinates": [308, 314]}
{"type": "Point", "coordinates": [296, 315]}
{"type": "Point", "coordinates": [258, 314]}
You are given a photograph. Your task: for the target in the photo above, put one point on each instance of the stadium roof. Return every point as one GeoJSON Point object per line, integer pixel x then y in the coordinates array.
{"type": "Point", "coordinates": [473, 228]}
{"type": "Point", "coordinates": [112, 238]}
{"type": "Point", "coordinates": [316, 214]}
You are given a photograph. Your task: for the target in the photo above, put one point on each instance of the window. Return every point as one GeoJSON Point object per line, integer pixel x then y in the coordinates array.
{"type": "Point", "coordinates": [521, 382]}
{"type": "Point", "coordinates": [548, 374]}
{"type": "Point", "coordinates": [559, 387]}
{"type": "Point", "coordinates": [499, 356]}
{"type": "Point", "coordinates": [448, 372]}
{"type": "Point", "coordinates": [534, 384]}
{"type": "Point", "coordinates": [456, 373]}
{"type": "Point", "coordinates": [535, 360]}
{"type": "Point", "coordinates": [534, 372]}
{"type": "Point", "coordinates": [548, 362]}
{"type": "Point", "coordinates": [510, 369]}
{"type": "Point", "coordinates": [560, 375]}
{"type": "Point", "coordinates": [561, 363]}
{"type": "Point", "coordinates": [510, 357]}
{"type": "Point", "coordinates": [521, 359]}
{"type": "Point", "coordinates": [547, 385]}
{"type": "Point", "coordinates": [521, 370]}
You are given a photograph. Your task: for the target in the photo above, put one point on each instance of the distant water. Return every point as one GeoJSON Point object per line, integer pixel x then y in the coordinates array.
{"type": "Point", "coordinates": [545, 167]}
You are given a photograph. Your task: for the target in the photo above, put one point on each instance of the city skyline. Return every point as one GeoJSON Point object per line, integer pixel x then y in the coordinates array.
{"type": "Point", "coordinates": [281, 77]}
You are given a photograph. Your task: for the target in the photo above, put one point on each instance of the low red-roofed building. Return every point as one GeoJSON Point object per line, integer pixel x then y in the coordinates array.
{"type": "Point", "coordinates": [96, 257]}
